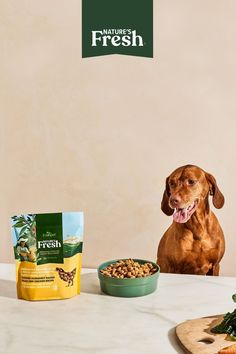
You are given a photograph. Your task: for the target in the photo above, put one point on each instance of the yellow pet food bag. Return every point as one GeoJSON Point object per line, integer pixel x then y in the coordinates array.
{"type": "Point", "coordinates": [48, 250]}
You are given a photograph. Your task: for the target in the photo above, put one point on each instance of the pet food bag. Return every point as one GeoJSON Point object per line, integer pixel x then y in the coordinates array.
{"type": "Point", "coordinates": [48, 250]}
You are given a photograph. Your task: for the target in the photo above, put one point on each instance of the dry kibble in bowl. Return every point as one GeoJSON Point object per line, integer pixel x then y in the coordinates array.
{"type": "Point", "coordinates": [128, 277]}
{"type": "Point", "coordinates": [129, 269]}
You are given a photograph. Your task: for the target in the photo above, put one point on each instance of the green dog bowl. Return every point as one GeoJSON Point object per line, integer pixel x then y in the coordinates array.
{"type": "Point", "coordinates": [128, 287]}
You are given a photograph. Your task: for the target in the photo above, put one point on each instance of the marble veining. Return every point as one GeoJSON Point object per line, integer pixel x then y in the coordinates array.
{"type": "Point", "coordinates": [94, 323]}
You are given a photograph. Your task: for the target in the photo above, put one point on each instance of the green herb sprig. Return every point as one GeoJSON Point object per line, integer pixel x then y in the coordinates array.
{"type": "Point", "coordinates": [228, 325]}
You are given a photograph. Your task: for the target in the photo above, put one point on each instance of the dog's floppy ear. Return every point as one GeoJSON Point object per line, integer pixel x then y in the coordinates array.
{"type": "Point", "coordinates": [218, 198]}
{"type": "Point", "coordinates": [165, 200]}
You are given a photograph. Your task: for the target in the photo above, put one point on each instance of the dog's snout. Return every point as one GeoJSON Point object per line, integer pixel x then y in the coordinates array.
{"type": "Point", "coordinates": [175, 200]}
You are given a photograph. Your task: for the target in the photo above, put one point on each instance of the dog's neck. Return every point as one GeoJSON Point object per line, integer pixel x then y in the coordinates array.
{"type": "Point", "coordinates": [197, 223]}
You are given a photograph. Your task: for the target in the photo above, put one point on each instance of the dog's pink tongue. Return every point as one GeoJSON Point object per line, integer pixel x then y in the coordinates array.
{"type": "Point", "coordinates": [181, 215]}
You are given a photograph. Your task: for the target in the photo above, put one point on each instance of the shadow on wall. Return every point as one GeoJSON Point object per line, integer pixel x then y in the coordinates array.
{"type": "Point", "coordinates": [90, 283]}
{"type": "Point", "coordinates": [8, 289]}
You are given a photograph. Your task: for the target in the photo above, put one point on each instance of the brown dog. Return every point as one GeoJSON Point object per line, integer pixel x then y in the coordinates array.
{"type": "Point", "coordinates": [194, 243]}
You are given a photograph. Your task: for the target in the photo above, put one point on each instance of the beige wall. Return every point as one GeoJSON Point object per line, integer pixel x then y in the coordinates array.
{"type": "Point", "coordinates": [101, 134]}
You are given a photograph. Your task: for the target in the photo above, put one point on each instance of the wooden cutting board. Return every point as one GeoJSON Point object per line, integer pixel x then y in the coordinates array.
{"type": "Point", "coordinates": [196, 338]}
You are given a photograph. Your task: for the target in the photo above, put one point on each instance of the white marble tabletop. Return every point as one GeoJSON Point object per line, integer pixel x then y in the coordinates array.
{"type": "Point", "coordinates": [94, 323]}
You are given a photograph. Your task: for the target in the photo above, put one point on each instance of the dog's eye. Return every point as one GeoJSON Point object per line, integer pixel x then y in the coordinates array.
{"type": "Point", "coordinates": [191, 182]}
{"type": "Point", "coordinates": [172, 184]}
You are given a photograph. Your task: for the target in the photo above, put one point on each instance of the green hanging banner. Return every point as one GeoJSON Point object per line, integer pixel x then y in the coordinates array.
{"type": "Point", "coordinates": [117, 27]}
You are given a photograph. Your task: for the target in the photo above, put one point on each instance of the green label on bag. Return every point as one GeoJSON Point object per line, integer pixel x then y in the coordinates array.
{"type": "Point", "coordinates": [49, 238]}
{"type": "Point", "coordinates": [117, 27]}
